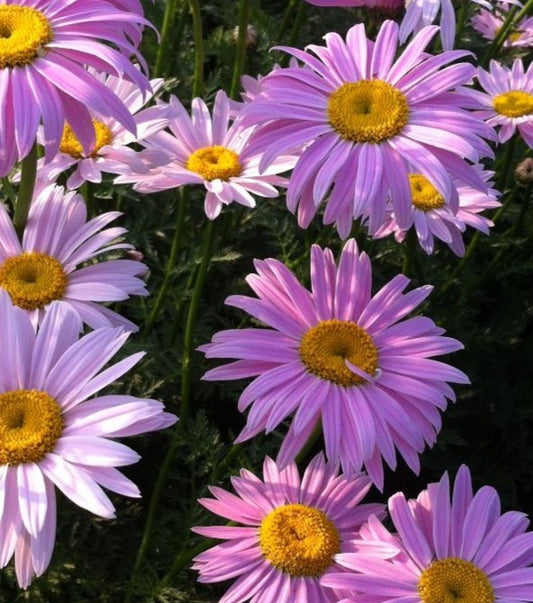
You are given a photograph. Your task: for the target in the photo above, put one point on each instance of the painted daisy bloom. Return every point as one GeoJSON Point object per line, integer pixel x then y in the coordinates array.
{"type": "Point", "coordinates": [336, 354]}
{"type": "Point", "coordinates": [489, 22]}
{"type": "Point", "coordinates": [290, 529]}
{"type": "Point", "coordinates": [110, 152]}
{"type": "Point", "coordinates": [445, 550]}
{"type": "Point", "coordinates": [208, 150]}
{"type": "Point", "coordinates": [362, 116]}
{"type": "Point", "coordinates": [433, 218]}
{"type": "Point", "coordinates": [49, 264]}
{"type": "Point", "coordinates": [508, 99]}
{"type": "Point", "coordinates": [44, 49]}
{"type": "Point", "coordinates": [52, 435]}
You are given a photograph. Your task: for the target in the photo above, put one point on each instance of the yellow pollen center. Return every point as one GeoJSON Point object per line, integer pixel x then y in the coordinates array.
{"type": "Point", "coordinates": [24, 32]}
{"type": "Point", "coordinates": [367, 111]}
{"type": "Point", "coordinates": [514, 103]}
{"type": "Point", "coordinates": [213, 163]}
{"type": "Point", "coordinates": [33, 280]}
{"type": "Point", "coordinates": [424, 195]}
{"type": "Point", "coordinates": [30, 424]}
{"type": "Point", "coordinates": [72, 146]}
{"type": "Point", "coordinates": [455, 580]}
{"type": "Point", "coordinates": [299, 540]}
{"type": "Point", "coordinates": [325, 347]}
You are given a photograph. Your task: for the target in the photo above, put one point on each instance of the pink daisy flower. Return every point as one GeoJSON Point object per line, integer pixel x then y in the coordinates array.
{"type": "Point", "coordinates": [52, 435]}
{"type": "Point", "coordinates": [489, 22]}
{"type": "Point", "coordinates": [290, 529]}
{"type": "Point", "coordinates": [433, 218]}
{"type": "Point", "coordinates": [508, 99]}
{"type": "Point", "coordinates": [362, 116]}
{"type": "Point", "coordinates": [110, 152]}
{"type": "Point", "coordinates": [49, 263]}
{"type": "Point", "coordinates": [458, 550]}
{"type": "Point", "coordinates": [336, 354]}
{"type": "Point", "coordinates": [369, 3]}
{"type": "Point", "coordinates": [208, 150]}
{"type": "Point", "coordinates": [43, 51]}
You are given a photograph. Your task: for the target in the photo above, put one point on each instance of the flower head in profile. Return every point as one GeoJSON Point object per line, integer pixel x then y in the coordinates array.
{"type": "Point", "coordinates": [507, 99]}
{"type": "Point", "coordinates": [489, 21]}
{"type": "Point", "coordinates": [56, 260]}
{"type": "Point", "coordinates": [338, 355]}
{"type": "Point", "coordinates": [44, 49]}
{"type": "Point", "coordinates": [209, 151]}
{"type": "Point", "coordinates": [362, 117]}
{"type": "Point", "coordinates": [53, 435]}
{"type": "Point", "coordinates": [110, 152]}
{"type": "Point", "coordinates": [434, 219]}
{"type": "Point", "coordinates": [289, 530]}
{"type": "Point", "coordinates": [448, 547]}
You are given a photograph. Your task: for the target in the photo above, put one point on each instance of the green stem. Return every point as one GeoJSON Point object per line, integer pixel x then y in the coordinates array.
{"type": "Point", "coordinates": [172, 259]}
{"type": "Point", "coordinates": [87, 191]}
{"type": "Point", "coordinates": [286, 18]}
{"type": "Point", "coordinates": [240, 53]}
{"type": "Point", "coordinates": [461, 20]}
{"type": "Point", "coordinates": [198, 78]}
{"type": "Point", "coordinates": [27, 184]}
{"type": "Point", "coordinates": [8, 189]}
{"type": "Point", "coordinates": [317, 432]}
{"type": "Point", "coordinates": [168, 20]}
{"type": "Point", "coordinates": [298, 20]}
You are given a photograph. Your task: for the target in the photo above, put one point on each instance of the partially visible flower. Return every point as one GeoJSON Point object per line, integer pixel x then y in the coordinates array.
{"type": "Point", "coordinates": [361, 117]}
{"type": "Point", "coordinates": [432, 217]}
{"type": "Point", "coordinates": [489, 23]}
{"type": "Point", "coordinates": [110, 152]}
{"type": "Point", "coordinates": [44, 49]}
{"type": "Point", "coordinates": [445, 550]}
{"type": "Point", "coordinates": [49, 263]}
{"type": "Point", "coordinates": [208, 150]}
{"type": "Point", "coordinates": [420, 13]}
{"type": "Point", "coordinates": [250, 36]}
{"type": "Point", "coordinates": [524, 171]}
{"type": "Point", "coordinates": [368, 3]}
{"type": "Point", "coordinates": [339, 356]}
{"type": "Point", "coordinates": [52, 435]}
{"type": "Point", "coordinates": [290, 529]}
{"type": "Point", "coordinates": [508, 99]}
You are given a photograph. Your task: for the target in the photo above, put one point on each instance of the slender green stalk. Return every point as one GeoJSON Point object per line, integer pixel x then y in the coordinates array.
{"type": "Point", "coordinates": [198, 78]}
{"type": "Point", "coordinates": [461, 20]}
{"type": "Point", "coordinates": [308, 446]}
{"type": "Point", "coordinates": [8, 189]}
{"type": "Point", "coordinates": [27, 184]}
{"type": "Point", "coordinates": [172, 259]}
{"type": "Point", "coordinates": [168, 20]}
{"type": "Point", "coordinates": [87, 191]}
{"type": "Point", "coordinates": [296, 26]}
{"type": "Point", "coordinates": [240, 53]}
{"type": "Point", "coordinates": [287, 17]}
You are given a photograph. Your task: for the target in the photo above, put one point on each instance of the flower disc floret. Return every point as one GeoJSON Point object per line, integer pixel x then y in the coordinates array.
{"type": "Point", "coordinates": [424, 195]}
{"type": "Point", "coordinates": [452, 580]}
{"type": "Point", "coordinates": [216, 162]}
{"type": "Point", "coordinates": [30, 425]}
{"type": "Point", "coordinates": [325, 348]}
{"type": "Point", "coordinates": [24, 32]}
{"type": "Point", "coordinates": [72, 146]}
{"type": "Point", "coordinates": [299, 540]}
{"type": "Point", "coordinates": [33, 280]}
{"type": "Point", "coordinates": [368, 111]}
{"type": "Point", "coordinates": [514, 103]}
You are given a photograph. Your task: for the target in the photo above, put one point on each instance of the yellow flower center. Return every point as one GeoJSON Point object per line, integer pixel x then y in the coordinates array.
{"type": "Point", "coordinates": [214, 162]}
{"type": "Point", "coordinates": [30, 424]}
{"type": "Point", "coordinates": [24, 32]}
{"type": "Point", "coordinates": [299, 540]}
{"type": "Point", "coordinates": [424, 195]}
{"type": "Point", "coordinates": [367, 111]}
{"type": "Point", "coordinates": [72, 146]}
{"type": "Point", "coordinates": [33, 280]}
{"type": "Point", "coordinates": [514, 103]}
{"type": "Point", "coordinates": [454, 580]}
{"type": "Point", "coordinates": [325, 347]}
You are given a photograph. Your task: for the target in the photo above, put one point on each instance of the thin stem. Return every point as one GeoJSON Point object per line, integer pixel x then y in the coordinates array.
{"type": "Point", "coordinates": [316, 433]}
{"type": "Point", "coordinates": [240, 53]}
{"type": "Point", "coordinates": [286, 18]}
{"type": "Point", "coordinates": [461, 20]}
{"type": "Point", "coordinates": [172, 259]}
{"type": "Point", "coordinates": [87, 191]}
{"type": "Point", "coordinates": [198, 78]}
{"type": "Point", "coordinates": [27, 184]}
{"type": "Point", "coordinates": [298, 20]}
{"type": "Point", "coordinates": [8, 189]}
{"type": "Point", "coordinates": [168, 20]}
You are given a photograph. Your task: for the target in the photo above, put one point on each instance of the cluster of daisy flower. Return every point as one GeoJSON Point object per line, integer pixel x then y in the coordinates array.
{"type": "Point", "coordinates": [377, 130]}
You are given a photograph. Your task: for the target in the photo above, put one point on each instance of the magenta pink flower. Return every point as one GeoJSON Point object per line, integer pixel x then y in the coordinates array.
{"type": "Point", "coordinates": [289, 530]}
{"type": "Point", "coordinates": [55, 260]}
{"type": "Point", "coordinates": [461, 549]}
{"type": "Point", "coordinates": [362, 117]}
{"type": "Point", "coordinates": [339, 355]}
{"type": "Point", "coordinates": [368, 3]}
{"type": "Point", "coordinates": [43, 77]}
{"type": "Point", "coordinates": [489, 22]}
{"type": "Point", "coordinates": [52, 435]}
